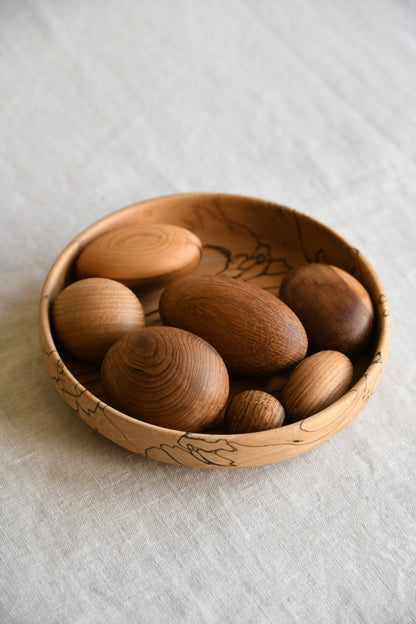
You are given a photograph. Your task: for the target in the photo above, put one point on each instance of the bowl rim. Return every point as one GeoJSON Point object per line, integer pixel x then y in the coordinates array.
{"type": "Point", "coordinates": [70, 250]}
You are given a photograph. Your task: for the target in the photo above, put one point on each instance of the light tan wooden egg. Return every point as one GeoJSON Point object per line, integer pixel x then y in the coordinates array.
{"type": "Point", "coordinates": [167, 377]}
{"type": "Point", "coordinates": [253, 410]}
{"type": "Point", "coordinates": [88, 316]}
{"type": "Point", "coordinates": [144, 256]}
{"type": "Point", "coordinates": [318, 381]}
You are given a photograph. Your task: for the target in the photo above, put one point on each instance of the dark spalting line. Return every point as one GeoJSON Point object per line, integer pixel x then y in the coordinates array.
{"type": "Point", "coordinates": [252, 260]}
{"type": "Point", "coordinates": [321, 256]}
{"type": "Point", "coordinates": [121, 432]}
{"type": "Point", "coordinates": [162, 448]}
{"type": "Point", "coordinates": [99, 407]}
{"type": "Point", "coordinates": [382, 300]}
{"type": "Point", "coordinates": [357, 270]}
{"type": "Point", "coordinates": [297, 217]}
{"type": "Point", "coordinates": [187, 443]}
{"type": "Point", "coordinates": [199, 452]}
{"type": "Point", "coordinates": [233, 447]}
{"type": "Point", "coordinates": [48, 353]}
{"type": "Point", "coordinates": [281, 210]}
{"type": "Point", "coordinates": [336, 423]}
{"type": "Point", "coordinates": [377, 358]}
{"type": "Point", "coordinates": [232, 222]}
{"type": "Point", "coordinates": [58, 381]}
{"type": "Point", "coordinates": [364, 390]}
{"type": "Point", "coordinates": [196, 451]}
{"type": "Point", "coordinates": [224, 252]}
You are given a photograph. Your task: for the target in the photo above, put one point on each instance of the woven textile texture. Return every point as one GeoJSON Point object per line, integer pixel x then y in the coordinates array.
{"type": "Point", "coordinates": [104, 103]}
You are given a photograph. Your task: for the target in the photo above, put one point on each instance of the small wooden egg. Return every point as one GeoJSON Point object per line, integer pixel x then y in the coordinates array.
{"type": "Point", "coordinates": [167, 377]}
{"type": "Point", "coordinates": [333, 306]}
{"type": "Point", "coordinates": [253, 410]}
{"type": "Point", "coordinates": [90, 315]}
{"type": "Point", "coordinates": [149, 255]}
{"type": "Point", "coordinates": [318, 381]}
{"type": "Point", "coordinates": [254, 332]}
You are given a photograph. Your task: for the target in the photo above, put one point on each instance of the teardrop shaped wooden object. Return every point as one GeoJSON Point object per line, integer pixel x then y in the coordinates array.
{"type": "Point", "coordinates": [254, 332]}
{"type": "Point", "coordinates": [253, 410]}
{"type": "Point", "coordinates": [88, 316]}
{"type": "Point", "coordinates": [144, 256]}
{"type": "Point", "coordinates": [334, 307]}
{"type": "Point", "coordinates": [167, 377]}
{"type": "Point", "coordinates": [317, 382]}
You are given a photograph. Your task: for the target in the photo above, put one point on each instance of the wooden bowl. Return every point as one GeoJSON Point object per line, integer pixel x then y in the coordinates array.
{"type": "Point", "coordinates": [247, 239]}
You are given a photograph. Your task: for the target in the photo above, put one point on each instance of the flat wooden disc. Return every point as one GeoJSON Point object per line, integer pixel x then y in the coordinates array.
{"type": "Point", "coordinates": [145, 255]}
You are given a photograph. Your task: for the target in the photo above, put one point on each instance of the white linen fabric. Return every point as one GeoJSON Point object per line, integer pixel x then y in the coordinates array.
{"type": "Point", "coordinates": [104, 103]}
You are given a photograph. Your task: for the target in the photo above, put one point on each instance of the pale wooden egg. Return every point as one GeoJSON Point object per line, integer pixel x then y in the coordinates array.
{"type": "Point", "coordinates": [149, 255]}
{"type": "Point", "coordinates": [254, 332]}
{"type": "Point", "coordinates": [334, 307]}
{"type": "Point", "coordinates": [90, 315]}
{"type": "Point", "coordinates": [317, 382]}
{"type": "Point", "coordinates": [167, 377]}
{"type": "Point", "coordinates": [253, 410]}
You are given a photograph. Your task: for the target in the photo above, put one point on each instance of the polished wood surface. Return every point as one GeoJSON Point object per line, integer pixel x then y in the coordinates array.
{"type": "Point", "coordinates": [91, 314]}
{"type": "Point", "coordinates": [147, 256]}
{"type": "Point", "coordinates": [167, 377]}
{"type": "Point", "coordinates": [255, 332]}
{"type": "Point", "coordinates": [333, 306]}
{"type": "Point", "coordinates": [317, 382]}
{"type": "Point", "coordinates": [248, 239]}
{"type": "Point", "coordinates": [253, 410]}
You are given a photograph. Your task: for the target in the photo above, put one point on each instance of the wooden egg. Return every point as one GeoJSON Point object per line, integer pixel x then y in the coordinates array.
{"type": "Point", "coordinates": [253, 410]}
{"type": "Point", "coordinates": [318, 381]}
{"type": "Point", "coordinates": [167, 377]}
{"type": "Point", "coordinates": [254, 332]}
{"type": "Point", "coordinates": [91, 314]}
{"type": "Point", "coordinates": [144, 256]}
{"type": "Point", "coordinates": [333, 306]}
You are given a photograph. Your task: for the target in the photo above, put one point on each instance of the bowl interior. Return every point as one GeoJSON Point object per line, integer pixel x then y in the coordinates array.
{"type": "Point", "coordinates": [247, 239]}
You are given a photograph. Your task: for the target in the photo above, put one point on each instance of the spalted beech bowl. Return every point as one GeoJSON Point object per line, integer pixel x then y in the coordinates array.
{"type": "Point", "coordinates": [247, 239]}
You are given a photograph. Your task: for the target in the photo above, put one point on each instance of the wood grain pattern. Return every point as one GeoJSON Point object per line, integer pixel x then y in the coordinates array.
{"type": "Point", "coordinates": [318, 381]}
{"type": "Point", "coordinates": [91, 314]}
{"type": "Point", "coordinates": [247, 239]}
{"type": "Point", "coordinates": [253, 410]}
{"type": "Point", "coordinates": [333, 306]}
{"type": "Point", "coordinates": [254, 332]}
{"type": "Point", "coordinates": [141, 256]}
{"type": "Point", "coordinates": [167, 377]}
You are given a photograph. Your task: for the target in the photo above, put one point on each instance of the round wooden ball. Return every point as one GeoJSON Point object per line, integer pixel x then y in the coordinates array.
{"type": "Point", "coordinates": [318, 381]}
{"type": "Point", "coordinates": [88, 316]}
{"type": "Point", "coordinates": [149, 255]}
{"type": "Point", "coordinates": [253, 410]}
{"type": "Point", "coordinates": [334, 307]}
{"type": "Point", "coordinates": [167, 377]}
